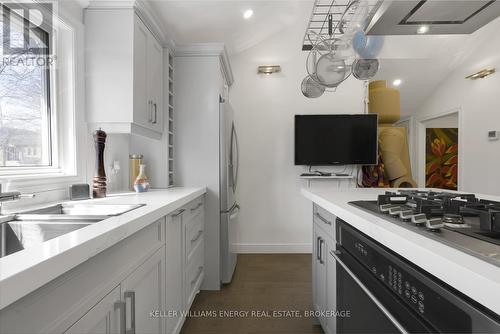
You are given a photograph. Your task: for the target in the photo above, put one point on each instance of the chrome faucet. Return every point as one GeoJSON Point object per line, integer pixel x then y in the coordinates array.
{"type": "Point", "coordinates": [11, 196]}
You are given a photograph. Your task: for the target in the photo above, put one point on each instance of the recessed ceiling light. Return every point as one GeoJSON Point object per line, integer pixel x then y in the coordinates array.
{"type": "Point", "coordinates": [248, 14]}
{"type": "Point", "coordinates": [397, 82]}
{"type": "Point", "coordinates": [423, 30]}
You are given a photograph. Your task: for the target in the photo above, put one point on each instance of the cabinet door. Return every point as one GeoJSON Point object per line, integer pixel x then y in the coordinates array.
{"type": "Point", "coordinates": [103, 318]}
{"type": "Point", "coordinates": [331, 291]}
{"type": "Point", "coordinates": [142, 105]}
{"type": "Point", "coordinates": [319, 272]}
{"type": "Point", "coordinates": [175, 273]}
{"type": "Point", "coordinates": [143, 292]}
{"type": "Point", "coordinates": [155, 73]}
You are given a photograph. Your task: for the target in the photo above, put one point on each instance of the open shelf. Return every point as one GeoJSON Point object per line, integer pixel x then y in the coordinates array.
{"type": "Point", "coordinates": [327, 177]}
{"type": "Point", "coordinates": [170, 125]}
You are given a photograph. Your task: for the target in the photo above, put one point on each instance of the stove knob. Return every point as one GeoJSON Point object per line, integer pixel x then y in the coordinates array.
{"type": "Point", "coordinates": [419, 219]}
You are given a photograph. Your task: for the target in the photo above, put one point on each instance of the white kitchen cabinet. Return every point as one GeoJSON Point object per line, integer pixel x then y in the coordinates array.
{"type": "Point", "coordinates": [103, 318]}
{"type": "Point", "coordinates": [154, 82]}
{"type": "Point", "coordinates": [331, 292]}
{"type": "Point", "coordinates": [185, 261]}
{"type": "Point", "coordinates": [175, 273]}
{"type": "Point", "coordinates": [124, 67]}
{"type": "Point", "coordinates": [143, 292]}
{"type": "Point", "coordinates": [324, 268]}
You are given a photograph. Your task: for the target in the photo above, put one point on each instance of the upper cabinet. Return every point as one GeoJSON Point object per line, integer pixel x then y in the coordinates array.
{"type": "Point", "coordinates": [124, 67]}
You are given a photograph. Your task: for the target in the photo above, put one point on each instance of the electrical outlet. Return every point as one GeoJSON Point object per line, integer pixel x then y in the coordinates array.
{"type": "Point", "coordinates": [493, 135]}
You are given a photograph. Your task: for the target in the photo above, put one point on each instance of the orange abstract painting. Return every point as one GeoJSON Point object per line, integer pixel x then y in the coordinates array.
{"type": "Point", "coordinates": [441, 158]}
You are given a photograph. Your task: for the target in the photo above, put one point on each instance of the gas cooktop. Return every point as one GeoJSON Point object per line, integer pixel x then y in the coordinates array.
{"type": "Point", "coordinates": [460, 220]}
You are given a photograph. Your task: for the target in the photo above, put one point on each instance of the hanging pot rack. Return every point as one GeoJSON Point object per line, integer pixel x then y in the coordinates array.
{"type": "Point", "coordinates": [343, 15]}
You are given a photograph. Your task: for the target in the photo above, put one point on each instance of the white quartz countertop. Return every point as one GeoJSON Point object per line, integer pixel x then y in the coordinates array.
{"type": "Point", "coordinates": [29, 269]}
{"type": "Point", "coordinates": [478, 279]}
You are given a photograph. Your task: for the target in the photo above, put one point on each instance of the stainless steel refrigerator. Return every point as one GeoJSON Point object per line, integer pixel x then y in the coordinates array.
{"type": "Point", "coordinates": [229, 207]}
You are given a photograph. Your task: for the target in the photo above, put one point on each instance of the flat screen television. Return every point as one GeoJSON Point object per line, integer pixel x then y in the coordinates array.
{"type": "Point", "coordinates": [322, 140]}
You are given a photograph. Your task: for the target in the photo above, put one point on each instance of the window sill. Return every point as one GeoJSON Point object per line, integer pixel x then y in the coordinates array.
{"type": "Point", "coordinates": [40, 181]}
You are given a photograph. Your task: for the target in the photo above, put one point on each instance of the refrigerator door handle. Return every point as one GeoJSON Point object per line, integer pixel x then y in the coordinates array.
{"type": "Point", "coordinates": [234, 162]}
{"type": "Point", "coordinates": [234, 212]}
{"type": "Point", "coordinates": [231, 208]}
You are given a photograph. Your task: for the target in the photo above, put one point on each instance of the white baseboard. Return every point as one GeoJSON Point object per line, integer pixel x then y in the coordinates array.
{"type": "Point", "coordinates": [272, 248]}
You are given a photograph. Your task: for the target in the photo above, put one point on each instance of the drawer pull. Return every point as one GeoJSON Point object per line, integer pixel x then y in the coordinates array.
{"type": "Point", "coordinates": [197, 207]}
{"type": "Point", "coordinates": [120, 306]}
{"type": "Point", "coordinates": [200, 270]}
{"type": "Point", "coordinates": [200, 233]}
{"type": "Point", "coordinates": [131, 295]}
{"type": "Point", "coordinates": [324, 220]}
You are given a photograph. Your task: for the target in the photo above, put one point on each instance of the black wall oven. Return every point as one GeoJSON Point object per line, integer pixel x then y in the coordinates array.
{"type": "Point", "coordinates": [385, 293]}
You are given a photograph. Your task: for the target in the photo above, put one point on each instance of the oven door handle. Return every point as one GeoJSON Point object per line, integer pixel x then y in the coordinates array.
{"type": "Point", "coordinates": [368, 293]}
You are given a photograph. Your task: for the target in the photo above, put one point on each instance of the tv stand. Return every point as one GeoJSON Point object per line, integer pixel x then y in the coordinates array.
{"type": "Point", "coordinates": [319, 177]}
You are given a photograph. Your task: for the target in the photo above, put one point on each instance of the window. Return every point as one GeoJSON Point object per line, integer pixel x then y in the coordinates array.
{"type": "Point", "coordinates": [25, 113]}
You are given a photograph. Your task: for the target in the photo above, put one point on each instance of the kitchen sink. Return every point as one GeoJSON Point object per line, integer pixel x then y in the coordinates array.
{"type": "Point", "coordinates": [16, 235]}
{"type": "Point", "coordinates": [23, 230]}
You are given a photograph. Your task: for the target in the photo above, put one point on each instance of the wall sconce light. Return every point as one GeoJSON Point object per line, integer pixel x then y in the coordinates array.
{"type": "Point", "coordinates": [269, 69]}
{"type": "Point", "coordinates": [481, 74]}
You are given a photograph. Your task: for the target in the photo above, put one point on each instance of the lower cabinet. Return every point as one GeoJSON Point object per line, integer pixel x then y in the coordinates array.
{"type": "Point", "coordinates": [143, 293]}
{"type": "Point", "coordinates": [127, 308]}
{"type": "Point", "coordinates": [103, 318]}
{"type": "Point", "coordinates": [175, 275]}
{"type": "Point", "coordinates": [324, 274]}
{"type": "Point", "coordinates": [185, 236]}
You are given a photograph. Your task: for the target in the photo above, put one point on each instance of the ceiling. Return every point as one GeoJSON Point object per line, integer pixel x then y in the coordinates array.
{"type": "Point", "coordinates": [222, 21]}
{"type": "Point", "coordinates": [420, 61]}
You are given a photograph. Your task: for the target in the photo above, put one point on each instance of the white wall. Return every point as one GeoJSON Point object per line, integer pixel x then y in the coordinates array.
{"type": "Point", "coordinates": [479, 102]}
{"type": "Point", "coordinates": [275, 217]}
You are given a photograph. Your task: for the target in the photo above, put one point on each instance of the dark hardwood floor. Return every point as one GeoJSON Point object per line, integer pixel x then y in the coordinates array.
{"type": "Point", "coordinates": [262, 283]}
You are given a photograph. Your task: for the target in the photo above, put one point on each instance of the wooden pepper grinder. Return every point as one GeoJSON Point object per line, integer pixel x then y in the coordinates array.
{"type": "Point", "coordinates": [99, 184]}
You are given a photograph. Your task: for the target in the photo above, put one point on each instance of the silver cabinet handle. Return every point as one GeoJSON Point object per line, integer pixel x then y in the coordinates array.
{"type": "Point", "coordinates": [200, 233]}
{"type": "Point", "coordinates": [155, 118]}
{"type": "Point", "coordinates": [321, 242]}
{"type": "Point", "coordinates": [178, 213]}
{"type": "Point", "coordinates": [324, 220]}
{"type": "Point", "coordinates": [200, 270]}
{"type": "Point", "coordinates": [368, 293]}
{"type": "Point", "coordinates": [131, 295]}
{"type": "Point", "coordinates": [196, 207]}
{"type": "Point", "coordinates": [317, 247]}
{"type": "Point", "coordinates": [120, 306]}
{"type": "Point", "coordinates": [150, 111]}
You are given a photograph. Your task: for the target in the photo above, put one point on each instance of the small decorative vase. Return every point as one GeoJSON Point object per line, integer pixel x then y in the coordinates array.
{"type": "Point", "coordinates": [141, 183]}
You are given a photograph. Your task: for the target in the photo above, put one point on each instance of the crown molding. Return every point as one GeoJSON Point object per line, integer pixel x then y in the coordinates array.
{"type": "Point", "coordinates": [208, 50]}
{"type": "Point", "coordinates": [144, 11]}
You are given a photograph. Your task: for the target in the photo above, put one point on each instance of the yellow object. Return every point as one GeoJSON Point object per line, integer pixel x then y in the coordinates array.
{"type": "Point", "coordinates": [384, 101]}
{"type": "Point", "coordinates": [135, 161]}
{"type": "Point", "coordinates": [393, 141]}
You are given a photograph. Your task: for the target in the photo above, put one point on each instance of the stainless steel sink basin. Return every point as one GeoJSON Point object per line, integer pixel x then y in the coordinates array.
{"type": "Point", "coordinates": [17, 235]}
{"type": "Point", "coordinates": [84, 209]}
{"type": "Point", "coordinates": [23, 230]}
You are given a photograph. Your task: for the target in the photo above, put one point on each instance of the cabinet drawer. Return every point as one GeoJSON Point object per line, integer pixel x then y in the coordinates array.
{"type": "Point", "coordinates": [195, 273]}
{"type": "Point", "coordinates": [193, 209]}
{"type": "Point", "coordinates": [325, 220]}
{"type": "Point", "coordinates": [194, 236]}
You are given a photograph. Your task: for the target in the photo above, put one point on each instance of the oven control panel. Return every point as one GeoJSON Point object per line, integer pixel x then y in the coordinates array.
{"type": "Point", "coordinates": [406, 289]}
